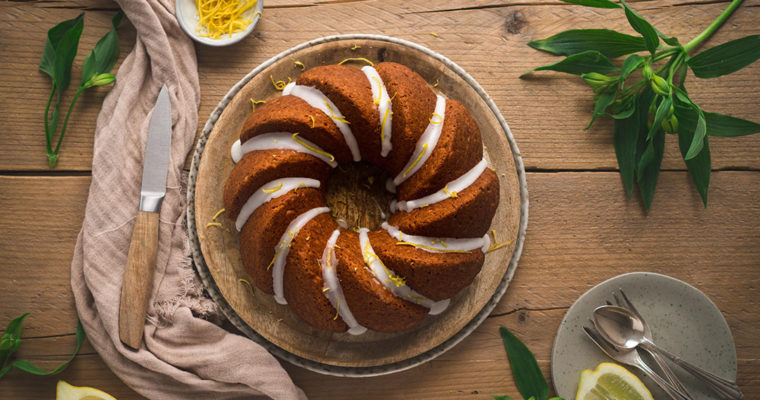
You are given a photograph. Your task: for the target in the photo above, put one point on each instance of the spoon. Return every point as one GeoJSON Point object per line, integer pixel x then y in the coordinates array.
{"type": "Point", "coordinates": [624, 330]}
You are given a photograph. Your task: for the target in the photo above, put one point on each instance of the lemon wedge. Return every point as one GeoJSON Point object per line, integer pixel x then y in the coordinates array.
{"type": "Point", "coordinates": [65, 391]}
{"type": "Point", "coordinates": [610, 381]}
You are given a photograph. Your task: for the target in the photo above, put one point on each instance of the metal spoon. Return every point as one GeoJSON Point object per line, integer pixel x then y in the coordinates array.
{"type": "Point", "coordinates": [624, 330]}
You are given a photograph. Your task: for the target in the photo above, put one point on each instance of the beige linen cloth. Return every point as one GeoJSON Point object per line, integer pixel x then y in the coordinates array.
{"type": "Point", "coordinates": [183, 355]}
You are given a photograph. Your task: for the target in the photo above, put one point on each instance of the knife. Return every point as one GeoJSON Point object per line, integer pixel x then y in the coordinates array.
{"type": "Point", "coordinates": [141, 259]}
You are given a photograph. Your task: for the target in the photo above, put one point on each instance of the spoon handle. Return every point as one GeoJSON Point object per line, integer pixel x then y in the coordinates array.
{"type": "Point", "coordinates": [727, 389]}
{"type": "Point", "coordinates": [662, 383]}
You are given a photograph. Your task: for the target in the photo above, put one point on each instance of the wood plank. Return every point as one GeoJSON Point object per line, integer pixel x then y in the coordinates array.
{"type": "Point", "coordinates": [547, 112]}
{"type": "Point", "coordinates": [582, 230]}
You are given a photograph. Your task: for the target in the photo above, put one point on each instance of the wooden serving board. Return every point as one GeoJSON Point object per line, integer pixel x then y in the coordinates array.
{"type": "Point", "coordinates": [256, 313]}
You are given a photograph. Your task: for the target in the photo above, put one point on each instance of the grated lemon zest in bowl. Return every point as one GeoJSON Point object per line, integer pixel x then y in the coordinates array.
{"type": "Point", "coordinates": [223, 17]}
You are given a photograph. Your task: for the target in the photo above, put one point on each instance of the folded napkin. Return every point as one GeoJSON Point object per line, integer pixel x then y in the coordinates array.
{"type": "Point", "coordinates": [183, 354]}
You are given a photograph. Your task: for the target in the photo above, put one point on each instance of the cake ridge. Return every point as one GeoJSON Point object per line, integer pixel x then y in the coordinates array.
{"type": "Point", "coordinates": [426, 143]}
{"type": "Point", "coordinates": [280, 140]}
{"type": "Point", "coordinates": [283, 248]}
{"type": "Point", "coordinates": [394, 283]}
{"type": "Point", "coordinates": [333, 290]}
{"type": "Point", "coordinates": [317, 99]}
{"type": "Point", "coordinates": [271, 190]}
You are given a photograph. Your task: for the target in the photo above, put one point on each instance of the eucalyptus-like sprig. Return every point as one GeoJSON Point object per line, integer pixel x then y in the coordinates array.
{"type": "Point", "coordinates": [646, 96]}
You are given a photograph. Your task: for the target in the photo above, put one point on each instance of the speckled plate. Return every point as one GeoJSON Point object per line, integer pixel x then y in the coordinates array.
{"type": "Point", "coordinates": [216, 248]}
{"type": "Point", "coordinates": [683, 320]}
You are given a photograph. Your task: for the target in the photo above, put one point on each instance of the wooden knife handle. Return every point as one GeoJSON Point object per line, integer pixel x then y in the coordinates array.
{"type": "Point", "coordinates": [138, 279]}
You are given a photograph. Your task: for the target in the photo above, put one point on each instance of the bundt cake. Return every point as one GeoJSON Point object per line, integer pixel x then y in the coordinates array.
{"type": "Point", "coordinates": [339, 279]}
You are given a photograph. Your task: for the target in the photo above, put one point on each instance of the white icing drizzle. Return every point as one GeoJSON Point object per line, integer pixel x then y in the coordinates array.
{"type": "Point", "coordinates": [384, 108]}
{"type": "Point", "coordinates": [317, 99]}
{"type": "Point", "coordinates": [455, 186]}
{"type": "Point", "coordinates": [332, 288]}
{"type": "Point", "coordinates": [268, 191]}
{"type": "Point", "coordinates": [283, 248]}
{"type": "Point", "coordinates": [383, 274]}
{"type": "Point", "coordinates": [389, 186]}
{"type": "Point", "coordinates": [278, 140]}
{"type": "Point", "coordinates": [426, 142]}
{"type": "Point", "coordinates": [439, 245]}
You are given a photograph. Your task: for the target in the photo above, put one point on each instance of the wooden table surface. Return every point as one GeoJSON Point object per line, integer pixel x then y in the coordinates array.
{"type": "Point", "coordinates": [582, 228]}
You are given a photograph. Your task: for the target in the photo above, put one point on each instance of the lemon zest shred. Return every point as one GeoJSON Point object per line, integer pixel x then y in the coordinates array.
{"type": "Point", "coordinates": [313, 121]}
{"type": "Point", "coordinates": [337, 310]}
{"type": "Point", "coordinates": [279, 320]}
{"type": "Point", "coordinates": [355, 47]}
{"type": "Point", "coordinates": [452, 193]}
{"type": "Point", "coordinates": [254, 103]}
{"type": "Point", "coordinates": [335, 117]}
{"type": "Point", "coordinates": [438, 121]}
{"type": "Point", "coordinates": [382, 125]}
{"type": "Point", "coordinates": [379, 90]}
{"type": "Point", "coordinates": [280, 84]}
{"type": "Point", "coordinates": [441, 242]}
{"type": "Point", "coordinates": [434, 34]}
{"type": "Point", "coordinates": [422, 246]}
{"type": "Point", "coordinates": [436, 83]}
{"type": "Point", "coordinates": [416, 160]}
{"type": "Point", "coordinates": [216, 224]}
{"type": "Point", "coordinates": [218, 213]}
{"type": "Point", "coordinates": [496, 245]}
{"type": "Point", "coordinates": [300, 65]}
{"type": "Point", "coordinates": [274, 189]}
{"type": "Point", "coordinates": [245, 281]}
{"type": "Point", "coordinates": [362, 59]}
{"type": "Point", "coordinates": [300, 185]}
{"type": "Point", "coordinates": [312, 148]}
{"type": "Point", "coordinates": [275, 257]}
{"type": "Point", "coordinates": [325, 289]}
{"type": "Point", "coordinates": [424, 205]}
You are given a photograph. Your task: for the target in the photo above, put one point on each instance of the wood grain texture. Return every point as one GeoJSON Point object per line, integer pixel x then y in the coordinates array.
{"type": "Point", "coordinates": [279, 324]}
{"type": "Point", "coordinates": [547, 112]}
{"type": "Point", "coordinates": [138, 278]}
{"type": "Point", "coordinates": [582, 231]}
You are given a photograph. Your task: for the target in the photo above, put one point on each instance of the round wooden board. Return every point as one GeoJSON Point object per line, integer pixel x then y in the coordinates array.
{"type": "Point", "coordinates": [216, 251]}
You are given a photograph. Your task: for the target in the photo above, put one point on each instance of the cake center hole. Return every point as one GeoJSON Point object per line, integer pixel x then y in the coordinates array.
{"type": "Point", "coordinates": [356, 194]}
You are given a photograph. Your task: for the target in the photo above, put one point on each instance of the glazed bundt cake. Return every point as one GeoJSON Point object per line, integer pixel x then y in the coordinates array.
{"type": "Point", "coordinates": [339, 279]}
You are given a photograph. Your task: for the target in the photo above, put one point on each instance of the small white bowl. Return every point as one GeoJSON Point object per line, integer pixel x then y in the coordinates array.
{"type": "Point", "coordinates": [187, 16]}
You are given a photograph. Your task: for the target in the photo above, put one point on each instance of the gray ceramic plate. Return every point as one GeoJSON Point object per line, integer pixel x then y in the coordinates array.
{"type": "Point", "coordinates": [683, 320]}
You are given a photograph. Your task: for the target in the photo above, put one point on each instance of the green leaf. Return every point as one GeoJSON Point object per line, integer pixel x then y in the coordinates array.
{"type": "Point", "coordinates": [699, 135]}
{"type": "Point", "coordinates": [601, 102]}
{"type": "Point", "coordinates": [728, 126]}
{"type": "Point", "coordinates": [594, 3]}
{"type": "Point", "coordinates": [648, 168]}
{"type": "Point", "coordinates": [27, 366]}
{"type": "Point", "coordinates": [528, 377]}
{"type": "Point", "coordinates": [662, 111]}
{"type": "Point", "coordinates": [60, 50]}
{"type": "Point", "coordinates": [502, 397]}
{"type": "Point", "coordinates": [11, 338]}
{"type": "Point", "coordinates": [643, 27]}
{"type": "Point", "coordinates": [581, 63]}
{"type": "Point", "coordinates": [699, 166]}
{"type": "Point", "coordinates": [608, 42]}
{"type": "Point", "coordinates": [631, 63]}
{"type": "Point", "coordinates": [726, 58]}
{"type": "Point", "coordinates": [626, 137]}
{"type": "Point", "coordinates": [624, 109]}
{"type": "Point", "coordinates": [103, 56]}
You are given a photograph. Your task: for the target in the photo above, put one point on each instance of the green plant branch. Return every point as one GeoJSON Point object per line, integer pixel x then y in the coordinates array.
{"type": "Point", "coordinates": [66, 120]}
{"type": "Point", "coordinates": [48, 134]}
{"type": "Point", "coordinates": [688, 47]}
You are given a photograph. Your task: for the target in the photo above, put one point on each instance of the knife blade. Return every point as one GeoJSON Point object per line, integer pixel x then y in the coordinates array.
{"type": "Point", "coordinates": [143, 248]}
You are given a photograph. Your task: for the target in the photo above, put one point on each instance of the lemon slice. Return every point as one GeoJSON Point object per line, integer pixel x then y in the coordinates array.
{"type": "Point", "coordinates": [610, 381]}
{"type": "Point", "coordinates": [64, 391]}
